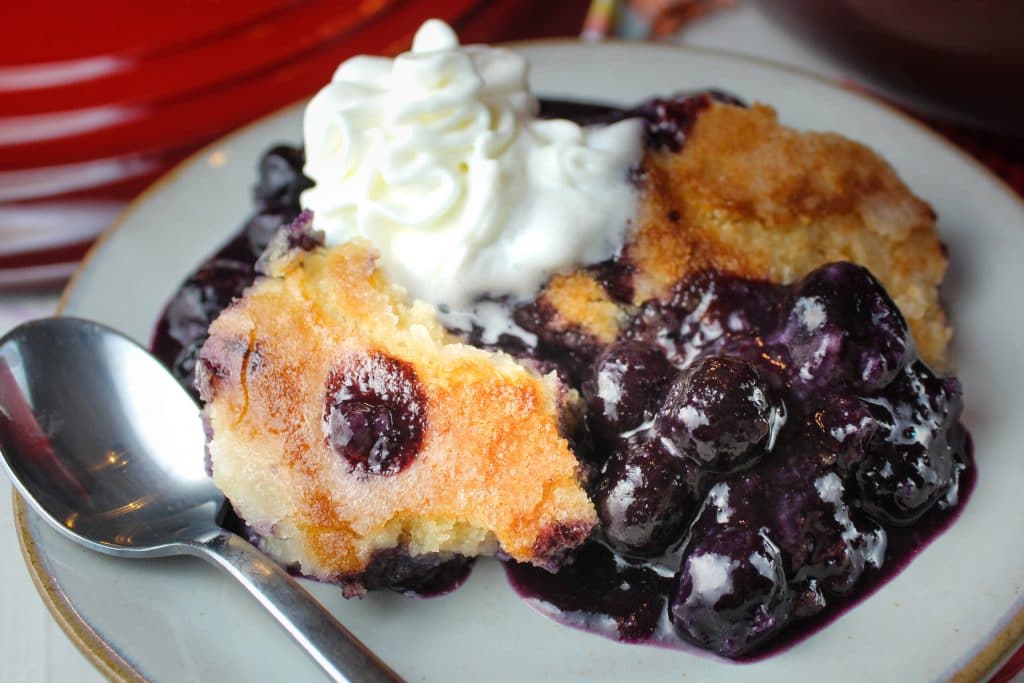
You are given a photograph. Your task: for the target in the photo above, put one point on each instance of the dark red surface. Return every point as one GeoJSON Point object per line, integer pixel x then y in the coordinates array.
{"type": "Point", "coordinates": [204, 98]}
{"type": "Point", "coordinates": [119, 26]}
{"type": "Point", "coordinates": [1011, 668]}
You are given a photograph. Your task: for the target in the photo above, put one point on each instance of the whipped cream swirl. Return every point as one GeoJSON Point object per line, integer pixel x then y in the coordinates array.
{"type": "Point", "coordinates": [437, 157]}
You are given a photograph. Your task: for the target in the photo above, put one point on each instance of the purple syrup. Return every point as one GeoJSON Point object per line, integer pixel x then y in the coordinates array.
{"type": "Point", "coordinates": [768, 487]}
{"type": "Point", "coordinates": [668, 121]}
{"type": "Point", "coordinates": [423, 576]}
{"type": "Point", "coordinates": [590, 593]}
{"type": "Point", "coordinates": [842, 406]}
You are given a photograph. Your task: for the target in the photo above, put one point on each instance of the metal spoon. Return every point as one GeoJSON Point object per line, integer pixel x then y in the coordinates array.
{"type": "Point", "coordinates": [106, 445]}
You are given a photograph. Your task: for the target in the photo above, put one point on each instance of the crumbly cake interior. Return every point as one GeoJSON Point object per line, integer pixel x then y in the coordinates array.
{"type": "Point", "coordinates": [492, 469]}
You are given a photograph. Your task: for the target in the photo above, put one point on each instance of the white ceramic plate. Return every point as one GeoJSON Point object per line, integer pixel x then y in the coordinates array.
{"type": "Point", "coordinates": [958, 608]}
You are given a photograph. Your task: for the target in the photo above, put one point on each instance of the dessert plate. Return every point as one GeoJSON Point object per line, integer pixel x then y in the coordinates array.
{"type": "Point", "coordinates": [956, 611]}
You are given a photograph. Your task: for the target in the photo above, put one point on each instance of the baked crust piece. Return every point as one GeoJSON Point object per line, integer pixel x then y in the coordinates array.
{"type": "Point", "coordinates": [748, 196]}
{"type": "Point", "coordinates": [491, 470]}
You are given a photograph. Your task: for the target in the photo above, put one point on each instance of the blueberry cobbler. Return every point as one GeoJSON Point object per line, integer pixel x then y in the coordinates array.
{"type": "Point", "coordinates": [677, 366]}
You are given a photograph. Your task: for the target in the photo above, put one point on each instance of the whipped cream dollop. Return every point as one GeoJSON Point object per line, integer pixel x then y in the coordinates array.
{"type": "Point", "coordinates": [439, 159]}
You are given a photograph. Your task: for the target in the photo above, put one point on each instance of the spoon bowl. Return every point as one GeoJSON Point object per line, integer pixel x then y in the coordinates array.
{"type": "Point", "coordinates": [101, 440]}
{"type": "Point", "coordinates": [109, 449]}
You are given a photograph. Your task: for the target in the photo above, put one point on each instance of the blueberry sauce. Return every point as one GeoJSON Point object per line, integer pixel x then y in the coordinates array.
{"type": "Point", "coordinates": [422, 576]}
{"type": "Point", "coordinates": [621, 598]}
{"type": "Point", "coordinates": [668, 121]}
{"type": "Point", "coordinates": [771, 479]}
{"type": "Point", "coordinates": [763, 456]}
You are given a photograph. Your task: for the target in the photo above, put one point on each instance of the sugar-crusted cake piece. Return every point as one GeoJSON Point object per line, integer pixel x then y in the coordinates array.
{"type": "Point", "coordinates": [745, 195]}
{"type": "Point", "coordinates": [346, 422]}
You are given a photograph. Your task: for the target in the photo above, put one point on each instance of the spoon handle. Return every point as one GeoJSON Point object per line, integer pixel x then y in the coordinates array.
{"type": "Point", "coordinates": [334, 648]}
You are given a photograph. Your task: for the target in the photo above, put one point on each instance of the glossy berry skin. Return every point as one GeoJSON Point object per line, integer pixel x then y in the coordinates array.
{"type": "Point", "coordinates": [261, 228]}
{"type": "Point", "coordinates": [733, 592]}
{"type": "Point", "coordinates": [913, 459]}
{"type": "Point", "coordinates": [375, 414]}
{"type": "Point", "coordinates": [721, 414]}
{"type": "Point", "coordinates": [844, 424]}
{"type": "Point", "coordinates": [828, 543]}
{"type": "Point", "coordinates": [711, 313]}
{"type": "Point", "coordinates": [643, 500]}
{"type": "Point", "coordinates": [625, 386]}
{"type": "Point", "coordinates": [843, 331]}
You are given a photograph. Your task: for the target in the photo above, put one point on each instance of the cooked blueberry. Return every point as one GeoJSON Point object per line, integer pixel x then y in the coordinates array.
{"type": "Point", "coordinates": [846, 425]}
{"type": "Point", "coordinates": [281, 180]}
{"type": "Point", "coordinates": [735, 306]}
{"type": "Point", "coordinates": [300, 233]}
{"type": "Point", "coordinates": [733, 593]}
{"type": "Point", "coordinates": [374, 413]}
{"type": "Point", "coordinates": [808, 599]}
{"type": "Point", "coordinates": [805, 505]}
{"type": "Point", "coordinates": [643, 500]}
{"type": "Point", "coordinates": [710, 313]}
{"type": "Point", "coordinates": [616, 277]}
{"type": "Point", "coordinates": [204, 295]}
{"type": "Point", "coordinates": [913, 459]}
{"type": "Point", "coordinates": [833, 544]}
{"type": "Point", "coordinates": [669, 121]}
{"type": "Point", "coordinates": [626, 383]}
{"type": "Point", "coordinates": [721, 414]}
{"type": "Point", "coordinates": [844, 331]}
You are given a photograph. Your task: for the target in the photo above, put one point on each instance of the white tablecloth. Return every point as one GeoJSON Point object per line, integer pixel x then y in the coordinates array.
{"type": "Point", "coordinates": [33, 649]}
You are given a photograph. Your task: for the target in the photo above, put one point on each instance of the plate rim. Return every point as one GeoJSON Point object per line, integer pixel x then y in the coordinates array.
{"type": "Point", "coordinates": [1002, 642]}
